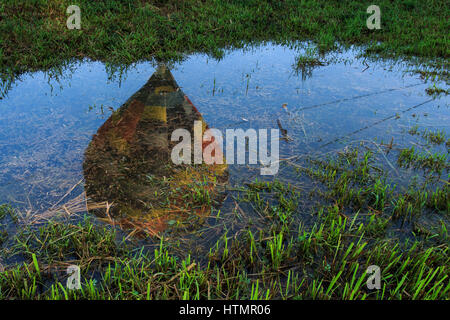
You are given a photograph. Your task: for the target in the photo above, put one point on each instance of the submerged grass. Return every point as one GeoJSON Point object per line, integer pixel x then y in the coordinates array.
{"type": "Point", "coordinates": [34, 35]}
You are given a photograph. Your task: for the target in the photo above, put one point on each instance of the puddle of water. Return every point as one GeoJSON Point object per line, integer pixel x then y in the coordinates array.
{"type": "Point", "coordinates": [45, 130]}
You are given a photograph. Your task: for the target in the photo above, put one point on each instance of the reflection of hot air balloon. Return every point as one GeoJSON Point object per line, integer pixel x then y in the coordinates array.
{"type": "Point", "coordinates": [128, 166]}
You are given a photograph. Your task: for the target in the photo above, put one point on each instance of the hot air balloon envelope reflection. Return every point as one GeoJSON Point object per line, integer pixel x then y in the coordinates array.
{"type": "Point", "coordinates": [130, 178]}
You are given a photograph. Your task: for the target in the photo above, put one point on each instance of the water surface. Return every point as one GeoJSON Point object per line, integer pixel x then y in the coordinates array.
{"type": "Point", "coordinates": [46, 125]}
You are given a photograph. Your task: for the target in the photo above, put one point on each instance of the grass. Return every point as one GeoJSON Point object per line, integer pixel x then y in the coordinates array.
{"type": "Point", "coordinates": [435, 162]}
{"type": "Point", "coordinates": [436, 91]}
{"type": "Point", "coordinates": [5, 211]}
{"type": "Point", "coordinates": [436, 137]}
{"type": "Point", "coordinates": [279, 254]}
{"type": "Point", "coordinates": [327, 261]}
{"type": "Point", "coordinates": [359, 185]}
{"type": "Point", "coordinates": [35, 37]}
